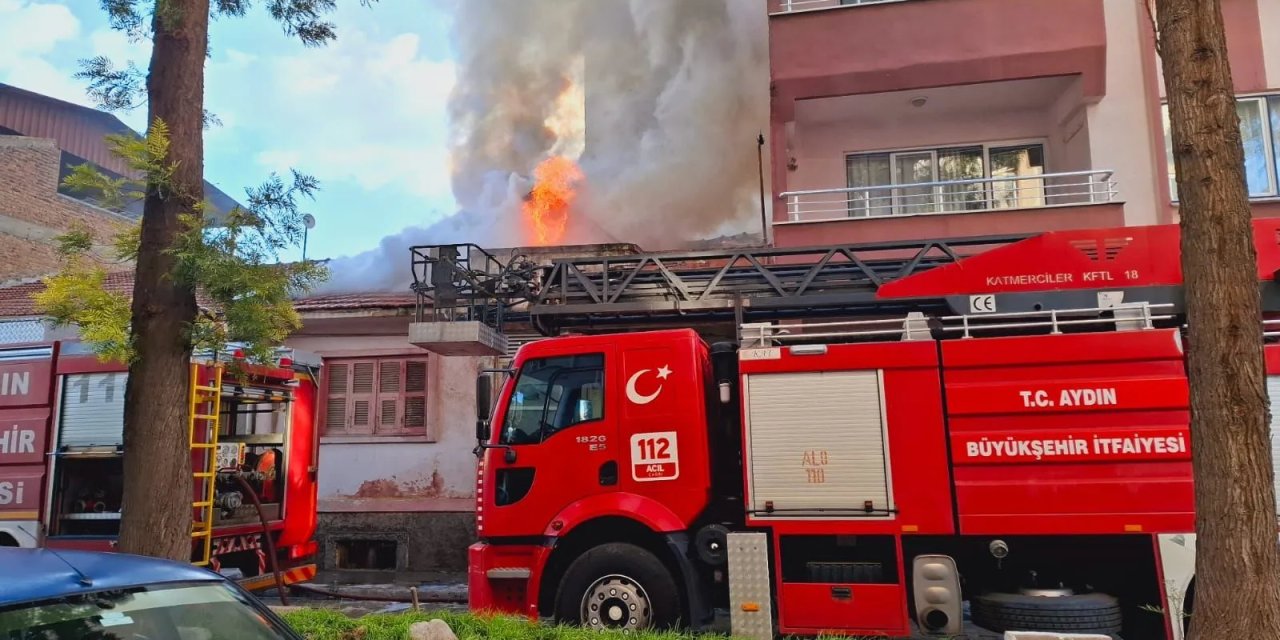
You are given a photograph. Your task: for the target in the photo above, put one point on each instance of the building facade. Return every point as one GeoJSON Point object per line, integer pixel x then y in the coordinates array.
{"type": "Point", "coordinates": [396, 474]}
{"type": "Point", "coordinates": [902, 119]}
{"type": "Point", "coordinates": [41, 140]}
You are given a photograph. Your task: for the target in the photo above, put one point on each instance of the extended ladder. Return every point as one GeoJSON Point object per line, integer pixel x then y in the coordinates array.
{"type": "Point", "coordinates": [204, 406]}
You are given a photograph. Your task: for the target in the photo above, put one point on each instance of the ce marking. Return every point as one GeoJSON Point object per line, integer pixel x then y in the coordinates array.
{"type": "Point", "coordinates": [985, 303]}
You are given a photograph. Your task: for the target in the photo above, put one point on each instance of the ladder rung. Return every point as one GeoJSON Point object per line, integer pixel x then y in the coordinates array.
{"type": "Point", "coordinates": [201, 387]}
{"type": "Point", "coordinates": [204, 474]}
{"type": "Point", "coordinates": [204, 416]}
{"type": "Point", "coordinates": [207, 504]}
{"type": "Point", "coordinates": [203, 445]}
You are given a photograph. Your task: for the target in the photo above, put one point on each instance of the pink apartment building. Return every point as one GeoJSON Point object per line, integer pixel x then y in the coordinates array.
{"type": "Point", "coordinates": [898, 119]}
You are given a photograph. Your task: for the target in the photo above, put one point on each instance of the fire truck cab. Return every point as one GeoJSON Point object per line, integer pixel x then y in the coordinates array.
{"type": "Point", "coordinates": [914, 475]}
{"type": "Point", "coordinates": [253, 444]}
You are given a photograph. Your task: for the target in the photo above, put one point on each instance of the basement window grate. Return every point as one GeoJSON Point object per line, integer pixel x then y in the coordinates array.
{"type": "Point", "coordinates": [378, 555]}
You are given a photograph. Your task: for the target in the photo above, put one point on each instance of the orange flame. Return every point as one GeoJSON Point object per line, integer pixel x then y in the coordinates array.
{"type": "Point", "coordinates": [555, 181]}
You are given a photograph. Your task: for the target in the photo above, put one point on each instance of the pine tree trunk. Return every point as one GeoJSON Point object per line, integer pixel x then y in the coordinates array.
{"type": "Point", "coordinates": [1237, 565]}
{"type": "Point", "coordinates": [158, 486]}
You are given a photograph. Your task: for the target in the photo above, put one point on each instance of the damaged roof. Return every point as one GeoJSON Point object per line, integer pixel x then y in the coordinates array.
{"type": "Point", "coordinates": [16, 298]}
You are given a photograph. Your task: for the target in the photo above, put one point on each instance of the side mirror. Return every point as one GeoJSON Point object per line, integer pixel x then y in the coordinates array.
{"type": "Point", "coordinates": [484, 397]}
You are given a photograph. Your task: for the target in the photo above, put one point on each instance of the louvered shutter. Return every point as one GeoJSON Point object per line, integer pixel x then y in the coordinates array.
{"type": "Point", "coordinates": [415, 395]}
{"type": "Point", "coordinates": [335, 418]}
{"type": "Point", "coordinates": [363, 375]}
{"type": "Point", "coordinates": [389, 385]}
{"type": "Point", "coordinates": [92, 410]}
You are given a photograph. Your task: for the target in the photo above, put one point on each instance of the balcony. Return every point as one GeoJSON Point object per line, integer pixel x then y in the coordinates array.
{"type": "Point", "coordinates": [997, 157]}
{"type": "Point", "coordinates": [1010, 191]}
{"type": "Point", "coordinates": [822, 48]}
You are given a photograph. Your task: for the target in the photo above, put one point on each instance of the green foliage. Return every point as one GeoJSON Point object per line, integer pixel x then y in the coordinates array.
{"type": "Point", "coordinates": [78, 295]}
{"type": "Point", "coordinates": [324, 624]}
{"type": "Point", "coordinates": [114, 89]}
{"type": "Point", "coordinates": [233, 264]}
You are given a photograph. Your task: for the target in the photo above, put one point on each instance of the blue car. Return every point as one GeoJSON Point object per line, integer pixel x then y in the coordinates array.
{"type": "Point", "coordinates": [82, 595]}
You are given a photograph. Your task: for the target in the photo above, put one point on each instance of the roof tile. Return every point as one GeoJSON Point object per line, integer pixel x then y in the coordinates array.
{"type": "Point", "coordinates": [16, 298]}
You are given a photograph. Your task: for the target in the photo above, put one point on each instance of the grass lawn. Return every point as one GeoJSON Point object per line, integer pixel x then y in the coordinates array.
{"type": "Point", "coordinates": [323, 624]}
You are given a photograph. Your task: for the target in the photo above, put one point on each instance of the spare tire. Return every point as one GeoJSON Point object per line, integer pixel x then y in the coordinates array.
{"type": "Point", "coordinates": [1089, 613]}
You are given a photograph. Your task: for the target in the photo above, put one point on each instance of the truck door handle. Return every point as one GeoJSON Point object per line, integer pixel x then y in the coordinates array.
{"type": "Point", "coordinates": [841, 593]}
{"type": "Point", "coordinates": [609, 474]}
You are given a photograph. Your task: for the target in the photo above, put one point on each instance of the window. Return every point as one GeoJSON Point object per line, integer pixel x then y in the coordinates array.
{"type": "Point", "coordinates": [877, 177]}
{"type": "Point", "coordinates": [1260, 136]}
{"type": "Point", "coordinates": [553, 394]}
{"type": "Point", "coordinates": [386, 396]}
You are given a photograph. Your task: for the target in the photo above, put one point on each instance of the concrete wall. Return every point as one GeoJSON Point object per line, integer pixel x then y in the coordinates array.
{"type": "Point", "coordinates": [33, 213]}
{"type": "Point", "coordinates": [1269, 25]}
{"type": "Point", "coordinates": [820, 147]}
{"type": "Point", "coordinates": [416, 490]}
{"type": "Point", "coordinates": [1122, 124]}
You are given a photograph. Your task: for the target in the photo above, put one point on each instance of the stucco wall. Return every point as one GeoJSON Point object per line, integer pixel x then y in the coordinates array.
{"type": "Point", "coordinates": [405, 473]}
{"type": "Point", "coordinates": [1269, 23]}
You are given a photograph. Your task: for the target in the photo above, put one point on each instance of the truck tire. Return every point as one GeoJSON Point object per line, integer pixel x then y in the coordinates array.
{"type": "Point", "coordinates": [1089, 613]}
{"type": "Point", "coordinates": [618, 586]}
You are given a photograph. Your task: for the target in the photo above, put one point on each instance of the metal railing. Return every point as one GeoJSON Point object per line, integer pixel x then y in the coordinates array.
{"type": "Point", "coordinates": [952, 196]}
{"type": "Point", "coordinates": [917, 326]}
{"type": "Point", "coordinates": [796, 6]}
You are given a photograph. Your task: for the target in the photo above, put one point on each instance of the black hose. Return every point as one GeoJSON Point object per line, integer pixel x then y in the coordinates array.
{"type": "Point", "coordinates": [373, 598]}
{"type": "Point", "coordinates": [266, 533]}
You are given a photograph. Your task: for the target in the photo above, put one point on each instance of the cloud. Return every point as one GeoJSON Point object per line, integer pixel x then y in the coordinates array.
{"type": "Point", "coordinates": [31, 31]}
{"type": "Point", "coordinates": [364, 110]}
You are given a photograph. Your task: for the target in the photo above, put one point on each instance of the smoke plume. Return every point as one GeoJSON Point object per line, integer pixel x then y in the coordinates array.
{"type": "Point", "coordinates": [659, 101]}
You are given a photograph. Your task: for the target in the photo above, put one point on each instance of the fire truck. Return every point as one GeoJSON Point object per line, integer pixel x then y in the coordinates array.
{"type": "Point", "coordinates": [252, 433]}
{"type": "Point", "coordinates": [904, 439]}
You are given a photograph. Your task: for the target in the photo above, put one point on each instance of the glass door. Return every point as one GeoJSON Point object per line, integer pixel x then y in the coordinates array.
{"type": "Point", "coordinates": [914, 168]}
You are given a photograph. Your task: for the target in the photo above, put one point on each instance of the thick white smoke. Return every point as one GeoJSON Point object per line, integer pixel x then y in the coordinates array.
{"type": "Point", "coordinates": [674, 94]}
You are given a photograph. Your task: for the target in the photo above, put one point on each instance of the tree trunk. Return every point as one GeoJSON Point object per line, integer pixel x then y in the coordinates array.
{"type": "Point", "coordinates": [158, 486]}
{"type": "Point", "coordinates": [1237, 565]}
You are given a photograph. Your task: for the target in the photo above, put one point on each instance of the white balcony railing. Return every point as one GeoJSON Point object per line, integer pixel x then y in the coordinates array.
{"type": "Point", "coordinates": [796, 6]}
{"type": "Point", "coordinates": [952, 196]}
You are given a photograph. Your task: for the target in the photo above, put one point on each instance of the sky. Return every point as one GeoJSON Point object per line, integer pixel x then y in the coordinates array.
{"type": "Point", "coordinates": [365, 115]}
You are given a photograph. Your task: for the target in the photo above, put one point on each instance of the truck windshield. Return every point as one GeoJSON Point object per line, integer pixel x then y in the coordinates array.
{"type": "Point", "coordinates": [212, 611]}
{"type": "Point", "coordinates": [552, 394]}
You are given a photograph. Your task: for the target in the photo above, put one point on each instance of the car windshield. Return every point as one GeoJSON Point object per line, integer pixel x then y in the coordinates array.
{"type": "Point", "coordinates": [210, 611]}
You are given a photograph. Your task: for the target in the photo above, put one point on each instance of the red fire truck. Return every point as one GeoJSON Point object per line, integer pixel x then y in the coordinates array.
{"type": "Point", "coordinates": [902, 439]}
{"type": "Point", "coordinates": [253, 443]}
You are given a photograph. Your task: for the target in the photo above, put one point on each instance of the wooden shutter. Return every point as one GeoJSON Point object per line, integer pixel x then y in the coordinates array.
{"type": "Point", "coordinates": [415, 395]}
{"type": "Point", "coordinates": [362, 397]}
{"type": "Point", "coordinates": [390, 382]}
{"type": "Point", "coordinates": [335, 415]}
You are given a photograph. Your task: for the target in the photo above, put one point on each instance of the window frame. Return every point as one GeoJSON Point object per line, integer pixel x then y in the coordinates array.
{"type": "Point", "coordinates": [1270, 149]}
{"type": "Point", "coordinates": [939, 206]}
{"type": "Point", "coordinates": [542, 431]}
{"type": "Point", "coordinates": [376, 397]}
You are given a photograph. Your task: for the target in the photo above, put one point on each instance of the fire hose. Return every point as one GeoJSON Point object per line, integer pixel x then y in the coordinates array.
{"type": "Point", "coordinates": [266, 532]}
{"type": "Point", "coordinates": [414, 597]}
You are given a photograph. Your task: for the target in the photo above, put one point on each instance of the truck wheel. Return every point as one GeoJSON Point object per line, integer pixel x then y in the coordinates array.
{"type": "Point", "coordinates": [618, 586]}
{"type": "Point", "coordinates": [1091, 613]}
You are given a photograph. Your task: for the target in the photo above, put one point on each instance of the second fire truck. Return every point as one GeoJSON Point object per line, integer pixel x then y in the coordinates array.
{"type": "Point", "coordinates": [253, 438]}
{"type": "Point", "coordinates": [902, 439]}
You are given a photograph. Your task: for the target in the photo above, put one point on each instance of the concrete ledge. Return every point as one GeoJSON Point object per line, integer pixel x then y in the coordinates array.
{"type": "Point", "coordinates": [458, 338]}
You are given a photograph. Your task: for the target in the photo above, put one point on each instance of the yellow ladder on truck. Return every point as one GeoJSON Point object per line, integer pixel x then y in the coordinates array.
{"type": "Point", "coordinates": [204, 407]}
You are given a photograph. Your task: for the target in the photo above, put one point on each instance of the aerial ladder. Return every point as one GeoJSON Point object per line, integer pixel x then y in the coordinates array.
{"type": "Point", "coordinates": [1109, 268]}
